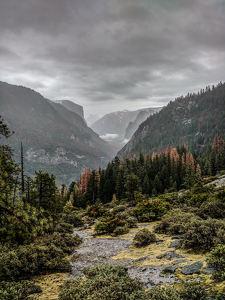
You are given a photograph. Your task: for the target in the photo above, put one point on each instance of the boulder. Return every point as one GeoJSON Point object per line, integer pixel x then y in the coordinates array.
{"type": "Point", "coordinates": [192, 269]}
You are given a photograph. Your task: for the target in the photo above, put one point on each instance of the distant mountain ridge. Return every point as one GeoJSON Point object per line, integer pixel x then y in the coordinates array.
{"type": "Point", "coordinates": [141, 117]}
{"type": "Point", "coordinates": [112, 127]}
{"type": "Point", "coordinates": [194, 119]}
{"type": "Point", "coordinates": [91, 119]}
{"type": "Point", "coordinates": [55, 139]}
{"type": "Point", "coordinates": [76, 108]}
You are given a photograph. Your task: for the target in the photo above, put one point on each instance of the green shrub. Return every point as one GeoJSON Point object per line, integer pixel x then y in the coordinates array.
{"type": "Point", "coordinates": [119, 208]}
{"type": "Point", "coordinates": [10, 264]}
{"type": "Point", "coordinates": [18, 290]}
{"type": "Point", "coordinates": [203, 234]}
{"type": "Point", "coordinates": [103, 282]}
{"type": "Point", "coordinates": [175, 222]}
{"type": "Point", "coordinates": [64, 228]}
{"type": "Point", "coordinates": [156, 207]}
{"type": "Point", "coordinates": [35, 258]}
{"type": "Point", "coordinates": [189, 291]}
{"type": "Point", "coordinates": [131, 222]}
{"type": "Point", "coordinates": [143, 238]}
{"type": "Point", "coordinates": [95, 210]}
{"type": "Point", "coordinates": [217, 260]}
{"type": "Point", "coordinates": [73, 219]}
{"type": "Point", "coordinates": [123, 215]}
{"type": "Point", "coordinates": [45, 254]}
{"type": "Point", "coordinates": [221, 194]}
{"type": "Point", "coordinates": [149, 217]}
{"type": "Point", "coordinates": [106, 282]}
{"type": "Point", "coordinates": [121, 230]}
{"type": "Point", "coordinates": [64, 242]}
{"type": "Point", "coordinates": [213, 209]}
{"type": "Point", "coordinates": [108, 225]}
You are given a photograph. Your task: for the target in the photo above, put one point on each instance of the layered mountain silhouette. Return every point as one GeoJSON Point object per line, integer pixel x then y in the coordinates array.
{"type": "Point", "coordinates": [118, 127]}
{"type": "Point", "coordinates": [76, 108]}
{"type": "Point", "coordinates": [193, 120]}
{"type": "Point", "coordinates": [55, 139]}
{"type": "Point", "coordinates": [91, 119]}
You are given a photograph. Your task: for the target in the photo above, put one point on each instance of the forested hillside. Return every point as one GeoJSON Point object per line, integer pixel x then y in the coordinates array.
{"type": "Point", "coordinates": [193, 120]}
{"type": "Point", "coordinates": [54, 140]}
{"type": "Point", "coordinates": [151, 175]}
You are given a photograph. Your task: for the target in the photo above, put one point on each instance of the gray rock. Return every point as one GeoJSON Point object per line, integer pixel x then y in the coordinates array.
{"type": "Point", "coordinates": [198, 280]}
{"type": "Point", "coordinates": [170, 269]}
{"type": "Point", "coordinates": [161, 256]}
{"type": "Point", "coordinates": [158, 240]}
{"type": "Point", "coordinates": [177, 237]}
{"type": "Point", "coordinates": [142, 258]}
{"type": "Point", "coordinates": [171, 255]}
{"type": "Point", "coordinates": [192, 269]}
{"type": "Point", "coordinates": [180, 261]}
{"type": "Point", "coordinates": [174, 244]}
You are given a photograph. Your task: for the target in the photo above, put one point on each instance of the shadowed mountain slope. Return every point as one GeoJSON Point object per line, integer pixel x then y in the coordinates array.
{"type": "Point", "coordinates": [51, 142]}
{"type": "Point", "coordinates": [194, 119]}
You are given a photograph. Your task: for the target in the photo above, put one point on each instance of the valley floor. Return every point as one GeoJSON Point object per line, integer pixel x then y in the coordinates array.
{"type": "Point", "coordinates": [160, 263]}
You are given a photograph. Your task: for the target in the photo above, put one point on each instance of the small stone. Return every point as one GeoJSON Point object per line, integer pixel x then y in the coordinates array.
{"type": "Point", "coordinates": [161, 256]}
{"type": "Point", "coordinates": [192, 269]}
{"type": "Point", "coordinates": [176, 262]}
{"type": "Point", "coordinates": [170, 269]}
{"type": "Point", "coordinates": [158, 240]}
{"type": "Point", "coordinates": [172, 254]}
{"type": "Point", "coordinates": [142, 258]}
{"type": "Point", "coordinates": [177, 237]}
{"type": "Point", "coordinates": [174, 244]}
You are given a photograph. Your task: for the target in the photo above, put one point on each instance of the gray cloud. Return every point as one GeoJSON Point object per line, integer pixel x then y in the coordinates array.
{"type": "Point", "coordinates": [108, 55]}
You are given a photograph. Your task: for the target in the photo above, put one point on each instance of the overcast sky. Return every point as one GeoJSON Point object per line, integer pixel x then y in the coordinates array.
{"type": "Point", "coordinates": [109, 55]}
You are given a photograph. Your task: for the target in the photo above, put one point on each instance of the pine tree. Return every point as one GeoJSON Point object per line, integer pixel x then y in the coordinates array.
{"type": "Point", "coordinates": [132, 184]}
{"type": "Point", "coordinates": [189, 179]}
{"type": "Point", "coordinates": [146, 186]}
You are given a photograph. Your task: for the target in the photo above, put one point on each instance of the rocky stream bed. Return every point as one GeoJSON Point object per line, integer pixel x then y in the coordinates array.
{"type": "Point", "coordinates": [160, 263]}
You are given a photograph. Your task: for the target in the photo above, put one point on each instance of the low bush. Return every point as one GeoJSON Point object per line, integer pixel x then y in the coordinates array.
{"type": "Point", "coordinates": [175, 222]}
{"type": "Point", "coordinates": [108, 225]}
{"type": "Point", "coordinates": [103, 282]}
{"type": "Point", "coordinates": [63, 241]}
{"type": "Point", "coordinates": [108, 282]}
{"type": "Point", "coordinates": [132, 222]}
{"type": "Point", "coordinates": [18, 290]}
{"type": "Point", "coordinates": [73, 219]}
{"type": "Point", "coordinates": [213, 209]}
{"type": "Point", "coordinates": [95, 210]}
{"type": "Point", "coordinates": [64, 228]}
{"type": "Point", "coordinates": [203, 234]}
{"type": "Point", "coordinates": [121, 230]}
{"type": "Point", "coordinates": [119, 208]}
{"type": "Point", "coordinates": [47, 253]}
{"type": "Point", "coordinates": [189, 291]}
{"type": "Point", "coordinates": [149, 217]}
{"type": "Point", "coordinates": [143, 238]}
{"type": "Point", "coordinates": [217, 260]}
{"type": "Point", "coordinates": [154, 207]}
{"type": "Point", "coordinates": [36, 258]}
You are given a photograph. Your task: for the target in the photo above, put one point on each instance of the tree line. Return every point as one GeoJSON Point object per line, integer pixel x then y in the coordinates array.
{"type": "Point", "coordinates": [170, 170]}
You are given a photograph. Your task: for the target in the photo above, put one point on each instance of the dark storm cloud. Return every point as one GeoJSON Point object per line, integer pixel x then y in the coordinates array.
{"type": "Point", "coordinates": [115, 53]}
